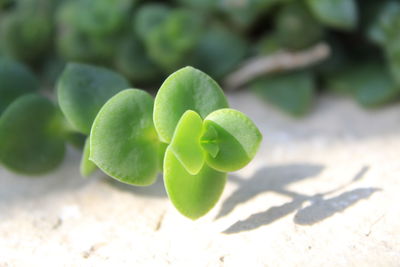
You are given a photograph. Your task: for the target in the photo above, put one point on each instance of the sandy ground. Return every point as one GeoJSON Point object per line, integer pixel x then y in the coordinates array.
{"type": "Point", "coordinates": [322, 191]}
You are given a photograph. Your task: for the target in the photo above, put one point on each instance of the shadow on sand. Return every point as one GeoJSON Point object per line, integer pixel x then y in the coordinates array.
{"type": "Point", "coordinates": [276, 179]}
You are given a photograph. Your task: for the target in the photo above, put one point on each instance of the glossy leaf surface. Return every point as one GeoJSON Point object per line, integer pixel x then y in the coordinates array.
{"type": "Point", "coordinates": [82, 90]}
{"type": "Point", "coordinates": [192, 195]}
{"type": "Point", "coordinates": [185, 89]}
{"type": "Point", "coordinates": [123, 141]}
{"type": "Point", "coordinates": [186, 142]}
{"type": "Point", "coordinates": [237, 139]}
{"type": "Point", "coordinates": [31, 136]}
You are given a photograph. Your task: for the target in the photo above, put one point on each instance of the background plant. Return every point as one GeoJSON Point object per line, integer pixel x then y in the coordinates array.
{"type": "Point", "coordinates": [147, 40]}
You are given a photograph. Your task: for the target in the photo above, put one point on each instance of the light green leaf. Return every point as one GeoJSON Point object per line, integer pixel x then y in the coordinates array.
{"type": "Point", "coordinates": [31, 136]}
{"type": "Point", "coordinates": [238, 139]}
{"type": "Point", "coordinates": [186, 142]}
{"type": "Point", "coordinates": [340, 14]}
{"type": "Point", "coordinates": [185, 89]}
{"type": "Point", "coordinates": [192, 195]}
{"type": "Point", "coordinates": [123, 141]}
{"type": "Point", "coordinates": [83, 89]}
{"type": "Point", "coordinates": [87, 167]}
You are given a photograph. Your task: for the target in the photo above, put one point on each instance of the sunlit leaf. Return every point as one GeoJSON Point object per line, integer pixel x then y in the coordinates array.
{"type": "Point", "coordinates": [186, 142]}
{"type": "Point", "coordinates": [123, 141]}
{"type": "Point", "coordinates": [192, 195]}
{"type": "Point", "coordinates": [186, 89]}
{"type": "Point", "coordinates": [87, 166]}
{"type": "Point", "coordinates": [237, 139]}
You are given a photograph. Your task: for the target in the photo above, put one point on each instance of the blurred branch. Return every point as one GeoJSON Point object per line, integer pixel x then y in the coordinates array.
{"type": "Point", "coordinates": [280, 61]}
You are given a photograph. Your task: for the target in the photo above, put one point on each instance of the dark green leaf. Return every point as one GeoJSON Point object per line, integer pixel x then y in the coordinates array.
{"type": "Point", "coordinates": [340, 14]}
{"type": "Point", "coordinates": [31, 136]}
{"type": "Point", "coordinates": [291, 92]}
{"type": "Point", "coordinates": [15, 80]}
{"type": "Point", "coordinates": [296, 28]}
{"type": "Point", "coordinates": [219, 51]}
{"type": "Point", "coordinates": [82, 90]}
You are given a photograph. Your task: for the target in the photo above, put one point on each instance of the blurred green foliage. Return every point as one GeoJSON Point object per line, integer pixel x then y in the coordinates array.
{"type": "Point", "coordinates": [147, 40]}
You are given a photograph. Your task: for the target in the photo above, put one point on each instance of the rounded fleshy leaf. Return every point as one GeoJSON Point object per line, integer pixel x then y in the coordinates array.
{"type": "Point", "coordinates": [186, 142]}
{"type": "Point", "coordinates": [15, 80]}
{"type": "Point", "coordinates": [187, 88]}
{"type": "Point", "coordinates": [83, 89]}
{"type": "Point", "coordinates": [123, 141]}
{"type": "Point", "coordinates": [192, 195]}
{"type": "Point", "coordinates": [87, 167]}
{"type": "Point", "coordinates": [31, 136]}
{"type": "Point", "coordinates": [238, 139]}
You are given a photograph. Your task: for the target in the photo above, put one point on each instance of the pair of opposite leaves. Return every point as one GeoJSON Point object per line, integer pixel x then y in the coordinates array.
{"type": "Point", "coordinates": [134, 137]}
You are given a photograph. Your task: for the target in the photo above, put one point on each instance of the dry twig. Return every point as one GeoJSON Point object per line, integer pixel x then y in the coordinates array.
{"type": "Point", "coordinates": [280, 61]}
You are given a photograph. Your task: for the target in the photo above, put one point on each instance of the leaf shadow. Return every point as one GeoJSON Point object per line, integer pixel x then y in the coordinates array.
{"type": "Point", "coordinates": [269, 179]}
{"type": "Point", "coordinates": [320, 208]}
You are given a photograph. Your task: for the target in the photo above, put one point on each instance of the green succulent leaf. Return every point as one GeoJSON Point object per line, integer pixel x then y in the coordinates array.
{"type": "Point", "coordinates": [102, 17]}
{"type": "Point", "coordinates": [370, 84]}
{"type": "Point", "coordinates": [148, 17]}
{"type": "Point", "coordinates": [15, 80]}
{"type": "Point", "coordinates": [192, 195]}
{"type": "Point", "coordinates": [386, 22]}
{"type": "Point", "coordinates": [186, 142]}
{"type": "Point", "coordinates": [31, 136]}
{"type": "Point", "coordinates": [292, 92]}
{"type": "Point", "coordinates": [244, 13]}
{"type": "Point", "coordinates": [83, 89]}
{"type": "Point", "coordinates": [27, 31]}
{"type": "Point", "coordinates": [123, 141]}
{"type": "Point", "coordinates": [238, 140]}
{"type": "Point", "coordinates": [208, 139]}
{"type": "Point", "coordinates": [87, 167]}
{"type": "Point", "coordinates": [296, 28]}
{"type": "Point", "coordinates": [185, 89]}
{"type": "Point", "coordinates": [340, 14]}
{"type": "Point", "coordinates": [172, 43]}
{"type": "Point", "coordinates": [219, 51]}
{"type": "Point", "coordinates": [132, 61]}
